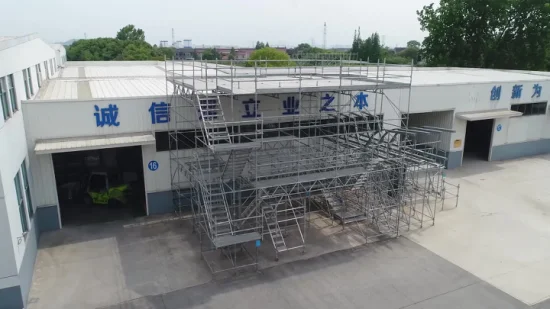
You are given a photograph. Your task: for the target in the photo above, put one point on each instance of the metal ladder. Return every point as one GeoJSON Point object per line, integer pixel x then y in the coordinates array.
{"type": "Point", "coordinates": [213, 120]}
{"type": "Point", "coordinates": [219, 213]}
{"type": "Point", "coordinates": [270, 216]}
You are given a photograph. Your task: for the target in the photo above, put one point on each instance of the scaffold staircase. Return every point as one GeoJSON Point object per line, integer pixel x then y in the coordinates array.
{"type": "Point", "coordinates": [275, 233]}
{"type": "Point", "coordinates": [213, 120]}
{"type": "Point", "coordinates": [339, 210]}
{"type": "Point", "coordinates": [235, 163]}
{"type": "Point", "coordinates": [361, 181]}
{"type": "Point", "coordinates": [220, 218]}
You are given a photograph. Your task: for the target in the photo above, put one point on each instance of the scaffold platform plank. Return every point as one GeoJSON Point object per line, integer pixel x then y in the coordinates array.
{"type": "Point", "coordinates": [229, 240]}
{"type": "Point", "coordinates": [239, 146]}
{"type": "Point", "coordinates": [308, 177]}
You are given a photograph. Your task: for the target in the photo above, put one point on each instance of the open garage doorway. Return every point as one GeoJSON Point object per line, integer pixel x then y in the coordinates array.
{"type": "Point", "coordinates": [477, 144]}
{"type": "Point", "coordinates": [100, 185]}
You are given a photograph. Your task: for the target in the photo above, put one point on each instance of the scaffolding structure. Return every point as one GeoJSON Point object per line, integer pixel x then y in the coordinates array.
{"type": "Point", "coordinates": [251, 175]}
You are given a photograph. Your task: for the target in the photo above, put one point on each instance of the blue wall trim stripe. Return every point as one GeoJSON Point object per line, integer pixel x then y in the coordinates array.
{"type": "Point", "coordinates": [10, 298]}
{"type": "Point", "coordinates": [47, 218]}
{"type": "Point", "coordinates": [518, 150]}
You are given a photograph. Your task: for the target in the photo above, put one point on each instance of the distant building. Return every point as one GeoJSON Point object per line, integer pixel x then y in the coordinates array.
{"type": "Point", "coordinates": [399, 49]}
{"type": "Point", "coordinates": [184, 53]}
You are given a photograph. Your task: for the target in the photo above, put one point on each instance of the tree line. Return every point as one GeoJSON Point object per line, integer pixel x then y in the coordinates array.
{"type": "Point", "coordinates": [129, 44]}
{"type": "Point", "coordinates": [372, 50]}
{"type": "Point", "coordinates": [500, 34]}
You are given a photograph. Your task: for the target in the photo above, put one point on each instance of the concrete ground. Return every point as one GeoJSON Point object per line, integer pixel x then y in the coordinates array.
{"type": "Point", "coordinates": [490, 252]}
{"type": "Point", "coordinates": [103, 264]}
{"type": "Point", "coordinates": [392, 274]}
{"type": "Point", "coordinates": [98, 265]}
{"type": "Point", "coordinates": [501, 230]}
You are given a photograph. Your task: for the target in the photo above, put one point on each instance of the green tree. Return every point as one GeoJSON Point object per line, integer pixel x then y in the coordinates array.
{"type": "Point", "coordinates": [137, 50]}
{"type": "Point", "coordinates": [211, 54]}
{"type": "Point", "coordinates": [269, 53]}
{"type": "Point", "coordinates": [306, 50]}
{"type": "Point", "coordinates": [259, 45]}
{"type": "Point", "coordinates": [130, 33]}
{"type": "Point", "coordinates": [232, 54]}
{"type": "Point", "coordinates": [506, 34]}
{"type": "Point", "coordinates": [100, 49]}
{"type": "Point", "coordinates": [356, 45]}
{"type": "Point", "coordinates": [371, 48]}
{"type": "Point", "coordinates": [413, 44]}
{"type": "Point", "coordinates": [159, 53]}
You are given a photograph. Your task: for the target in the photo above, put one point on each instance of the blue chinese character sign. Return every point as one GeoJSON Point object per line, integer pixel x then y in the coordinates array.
{"type": "Point", "coordinates": [499, 128]}
{"type": "Point", "coordinates": [516, 91]}
{"type": "Point", "coordinates": [153, 165]}
{"type": "Point", "coordinates": [106, 116]}
{"type": "Point", "coordinates": [327, 100]}
{"type": "Point", "coordinates": [160, 112]}
{"type": "Point", "coordinates": [360, 101]}
{"type": "Point", "coordinates": [258, 243]}
{"type": "Point", "coordinates": [537, 91]}
{"type": "Point", "coordinates": [250, 108]}
{"type": "Point", "coordinates": [495, 93]}
{"type": "Point", "coordinates": [291, 106]}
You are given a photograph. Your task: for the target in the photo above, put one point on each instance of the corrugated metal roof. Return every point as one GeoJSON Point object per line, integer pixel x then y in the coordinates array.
{"type": "Point", "coordinates": [89, 143]}
{"type": "Point", "coordinates": [59, 90]}
{"type": "Point", "coordinates": [123, 87]}
{"type": "Point", "coordinates": [123, 71]}
{"type": "Point", "coordinates": [105, 81]}
{"type": "Point", "coordinates": [83, 80]}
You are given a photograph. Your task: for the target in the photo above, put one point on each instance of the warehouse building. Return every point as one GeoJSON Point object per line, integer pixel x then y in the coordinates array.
{"type": "Point", "coordinates": [88, 142]}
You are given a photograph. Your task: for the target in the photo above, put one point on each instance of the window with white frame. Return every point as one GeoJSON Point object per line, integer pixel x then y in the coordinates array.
{"type": "Point", "coordinates": [4, 98]}
{"type": "Point", "coordinates": [38, 75]}
{"type": "Point", "coordinates": [11, 93]}
{"type": "Point", "coordinates": [21, 203]}
{"type": "Point", "coordinates": [28, 82]}
{"type": "Point", "coordinates": [46, 68]}
{"type": "Point", "coordinates": [530, 109]}
{"type": "Point", "coordinates": [26, 188]}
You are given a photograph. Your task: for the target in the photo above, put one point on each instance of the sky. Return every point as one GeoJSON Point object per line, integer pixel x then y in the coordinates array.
{"type": "Point", "coordinates": [217, 22]}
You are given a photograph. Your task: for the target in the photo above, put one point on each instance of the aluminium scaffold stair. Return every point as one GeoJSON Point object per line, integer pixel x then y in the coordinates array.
{"type": "Point", "coordinates": [235, 163]}
{"type": "Point", "coordinates": [276, 234]}
{"type": "Point", "coordinates": [213, 120]}
{"type": "Point", "coordinates": [219, 215]}
{"type": "Point", "coordinates": [340, 211]}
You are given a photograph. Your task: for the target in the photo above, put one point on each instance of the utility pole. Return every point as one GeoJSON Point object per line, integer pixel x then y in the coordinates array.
{"type": "Point", "coordinates": [325, 36]}
{"type": "Point", "coordinates": [173, 38]}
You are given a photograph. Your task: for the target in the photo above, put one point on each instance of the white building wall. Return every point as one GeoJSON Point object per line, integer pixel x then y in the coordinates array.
{"type": "Point", "coordinates": [12, 137]}
{"type": "Point", "coordinates": [435, 119]}
{"type": "Point", "coordinates": [159, 180]}
{"type": "Point", "coordinates": [477, 97]}
{"type": "Point", "coordinates": [15, 56]}
{"type": "Point", "coordinates": [457, 138]}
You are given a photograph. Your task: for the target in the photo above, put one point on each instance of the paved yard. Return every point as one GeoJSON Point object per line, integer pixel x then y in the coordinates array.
{"type": "Point", "coordinates": [104, 264]}
{"type": "Point", "coordinates": [501, 230]}
{"type": "Point", "coordinates": [493, 251]}
{"type": "Point", "coordinates": [392, 274]}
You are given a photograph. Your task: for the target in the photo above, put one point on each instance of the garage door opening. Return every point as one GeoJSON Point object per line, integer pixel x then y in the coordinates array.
{"type": "Point", "coordinates": [478, 139]}
{"type": "Point", "coordinates": [100, 185]}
